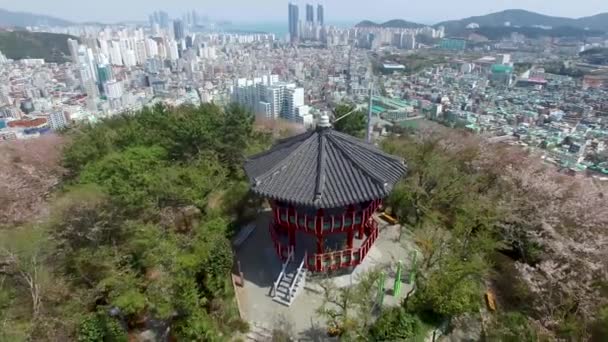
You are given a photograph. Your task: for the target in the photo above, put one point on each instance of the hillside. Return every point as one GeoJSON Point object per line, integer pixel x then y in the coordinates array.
{"type": "Point", "coordinates": [52, 47]}
{"type": "Point", "coordinates": [28, 178]}
{"type": "Point", "coordinates": [131, 227]}
{"type": "Point", "coordinates": [595, 22]}
{"type": "Point", "coordinates": [395, 23]}
{"type": "Point", "coordinates": [518, 17]}
{"type": "Point", "coordinates": [23, 19]}
{"type": "Point", "coordinates": [500, 32]}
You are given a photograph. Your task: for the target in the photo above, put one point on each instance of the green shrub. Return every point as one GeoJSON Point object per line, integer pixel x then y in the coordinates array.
{"type": "Point", "coordinates": [599, 329]}
{"type": "Point", "coordinates": [99, 327]}
{"type": "Point", "coordinates": [512, 327]}
{"type": "Point", "coordinates": [395, 324]}
{"type": "Point", "coordinates": [132, 302]}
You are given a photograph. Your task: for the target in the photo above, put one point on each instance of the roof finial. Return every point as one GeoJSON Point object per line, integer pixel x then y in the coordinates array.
{"type": "Point", "coordinates": [324, 121]}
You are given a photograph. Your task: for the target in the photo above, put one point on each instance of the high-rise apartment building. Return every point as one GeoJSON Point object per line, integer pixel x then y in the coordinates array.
{"type": "Point", "coordinates": [293, 100]}
{"type": "Point", "coordinates": [320, 18]}
{"type": "Point", "coordinates": [178, 28]}
{"type": "Point", "coordinates": [194, 18]}
{"type": "Point", "coordinates": [408, 41]}
{"type": "Point", "coordinates": [73, 47]}
{"type": "Point", "coordinates": [271, 99]}
{"type": "Point", "coordinates": [113, 89]}
{"type": "Point", "coordinates": [161, 18]}
{"type": "Point", "coordinates": [104, 75]}
{"type": "Point", "coordinates": [115, 54]}
{"type": "Point", "coordinates": [310, 13]}
{"type": "Point", "coordinates": [173, 51]}
{"type": "Point", "coordinates": [57, 120]}
{"type": "Point", "coordinates": [294, 26]}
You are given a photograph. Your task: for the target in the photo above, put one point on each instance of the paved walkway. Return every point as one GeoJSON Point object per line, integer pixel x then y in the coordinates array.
{"type": "Point", "coordinates": [260, 266]}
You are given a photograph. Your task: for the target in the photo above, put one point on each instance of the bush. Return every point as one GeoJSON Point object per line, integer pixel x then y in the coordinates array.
{"type": "Point", "coordinates": [217, 265]}
{"type": "Point", "coordinates": [132, 302]}
{"type": "Point", "coordinates": [511, 327]}
{"type": "Point", "coordinates": [449, 292]}
{"type": "Point", "coordinates": [395, 324]}
{"type": "Point", "coordinates": [514, 293]}
{"type": "Point", "coordinates": [599, 329]}
{"type": "Point", "coordinates": [99, 327]}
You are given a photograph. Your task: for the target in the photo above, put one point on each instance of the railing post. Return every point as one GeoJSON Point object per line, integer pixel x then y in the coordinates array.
{"type": "Point", "coordinates": [361, 225]}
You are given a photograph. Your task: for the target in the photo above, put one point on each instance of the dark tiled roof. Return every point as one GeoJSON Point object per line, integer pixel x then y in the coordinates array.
{"type": "Point", "coordinates": [323, 169]}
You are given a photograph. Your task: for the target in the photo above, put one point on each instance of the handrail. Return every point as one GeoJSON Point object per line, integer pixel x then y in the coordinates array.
{"type": "Point", "coordinates": [295, 278]}
{"type": "Point", "coordinates": [364, 213]}
{"type": "Point", "coordinates": [282, 274]}
{"type": "Point", "coordinates": [362, 251]}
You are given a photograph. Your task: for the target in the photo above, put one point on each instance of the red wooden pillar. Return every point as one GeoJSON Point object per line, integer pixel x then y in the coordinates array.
{"type": "Point", "coordinates": [350, 234]}
{"type": "Point", "coordinates": [319, 233]}
{"type": "Point", "coordinates": [361, 227]}
{"type": "Point", "coordinates": [350, 237]}
{"type": "Point", "coordinates": [291, 227]}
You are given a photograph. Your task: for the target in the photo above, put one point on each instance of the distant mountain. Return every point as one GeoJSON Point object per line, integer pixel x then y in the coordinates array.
{"type": "Point", "coordinates": [395, 23]}
{"type": "Point", "coordinates": [595, 22]}
{"type": "Point", "coordinates": [518, 17]}
{"type": "Point", "coordinates": [500, 32]}
{"type": "Point", "coordinates": [23, 19]}
{"type": "Point", "coordinates": [367, 23]}
{"type": "Point", "coordinates": [52, 47]}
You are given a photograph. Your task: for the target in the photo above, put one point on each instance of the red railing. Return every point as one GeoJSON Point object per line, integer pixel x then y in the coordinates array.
{"type": "Point", "coordinates": [308, 223]}
{"type": "Point", "coordinates": [330, 260]}
{"type": "Point", "coordinates": [345, 258]}
{"type": "Point", "coordinates": [367, 245]}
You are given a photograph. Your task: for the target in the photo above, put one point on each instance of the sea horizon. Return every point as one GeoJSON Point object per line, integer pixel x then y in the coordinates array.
{"type": "Point", "coordinates": [278, 28]}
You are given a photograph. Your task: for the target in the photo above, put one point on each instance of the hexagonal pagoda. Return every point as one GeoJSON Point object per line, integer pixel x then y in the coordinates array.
{"type": "Point", "coordinates": [323, 187]}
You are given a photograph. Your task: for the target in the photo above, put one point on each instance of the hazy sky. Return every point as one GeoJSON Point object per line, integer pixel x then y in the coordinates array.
{"type": "Point", "coordinates": [276, 10]}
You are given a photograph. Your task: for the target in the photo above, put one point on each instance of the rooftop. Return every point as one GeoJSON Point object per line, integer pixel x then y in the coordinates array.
{"type": "Point", "coordinates": [323, 169]}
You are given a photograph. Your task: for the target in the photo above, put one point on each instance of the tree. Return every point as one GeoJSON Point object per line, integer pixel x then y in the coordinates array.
{"type": "Point", "coordinates": [354, 124]}
{"type": "Point", "coordinates": [235, 133]}
{"type": "Point", "coordinates": [499, 199]}
{"type": "Point", "coordinates": [511, 327]}
{"type": "Point", "coordinates": [85, 218]}
{"type": "Point", "coordinates": [29, 171]}
{"type": "Point", "coordinates": [128, 175]}
{"type": "Point", "coordinates": [22, 257]}
{"type": "Point", "coordinates": [599, 328]}
{"type": "Point", "coordinates": [99, 327]}
{"type": "Point", "coordinates": [139, 225]}
{"type": "Point", "coordinates": [434, 185]}
{"type": "Point", "coordinates": [395, 324]}
{"type": "Point", "coordinates": [348, 310]}
{"type": "Point", "coordinates": [453, 289]}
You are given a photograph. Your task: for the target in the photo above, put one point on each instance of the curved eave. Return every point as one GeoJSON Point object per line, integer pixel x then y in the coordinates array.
{"type": "Point", "coordinates": [316, 204]}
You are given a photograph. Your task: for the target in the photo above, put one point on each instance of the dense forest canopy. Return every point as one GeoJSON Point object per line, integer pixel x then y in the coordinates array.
{"type": "Point", "coordinates": [134, 236]}
{"type": "Point", "coordinates": [19, 44]}
{"type": "Point", "coordinates": [492, 217]}
{"type": "Point", "coordinates": [137, 235]}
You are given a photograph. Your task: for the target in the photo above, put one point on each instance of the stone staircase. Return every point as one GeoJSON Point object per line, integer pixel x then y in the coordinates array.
{"type": "Point", "coordinates": [290, 282]}
{"type": "Point", "coordinates": [258, 333]}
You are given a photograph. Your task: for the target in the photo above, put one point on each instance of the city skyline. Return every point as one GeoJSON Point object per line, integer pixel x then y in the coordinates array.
{"type": "Point", "coordinates": [273, 10]}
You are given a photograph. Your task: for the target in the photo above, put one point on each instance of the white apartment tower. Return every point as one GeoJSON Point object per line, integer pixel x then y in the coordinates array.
{"type": "Point", "coordinates": [271, 99]}
{"type": "Point", "coordinates": [57, 120]}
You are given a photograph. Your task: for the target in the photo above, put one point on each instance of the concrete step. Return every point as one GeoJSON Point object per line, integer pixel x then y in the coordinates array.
{"type": "Point", "coordinates": [281, 293]}
{"type": "Point", "coordinates": [258, 333]}
{"type": "Point", "coordinates": [281, 300]}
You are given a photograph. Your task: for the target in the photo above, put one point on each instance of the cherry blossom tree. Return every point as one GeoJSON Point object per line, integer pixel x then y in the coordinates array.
{"type": "Point", "coordinates": [29, 169]}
